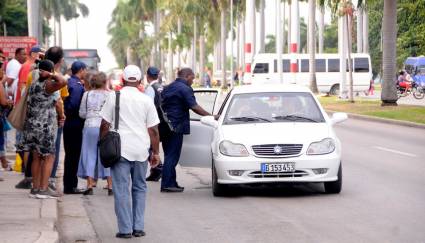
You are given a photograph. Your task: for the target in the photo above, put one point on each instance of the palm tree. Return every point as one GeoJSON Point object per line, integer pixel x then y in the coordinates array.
{"type": "Point", "coordinates": [321, 25]}
{"type": "Point", "coordinates": [262, 26]}
{"type": "Point", "coordinates": [68, 9]}
{"type": "Point", "coordinates": [389, 36]}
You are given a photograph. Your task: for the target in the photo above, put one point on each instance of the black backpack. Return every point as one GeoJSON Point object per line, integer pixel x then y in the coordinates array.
{"type": "Point", "coordinates": [165, 127]}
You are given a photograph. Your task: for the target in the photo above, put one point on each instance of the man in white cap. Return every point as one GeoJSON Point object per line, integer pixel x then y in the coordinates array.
{"type": "Point", "coordinates": [138, 129]}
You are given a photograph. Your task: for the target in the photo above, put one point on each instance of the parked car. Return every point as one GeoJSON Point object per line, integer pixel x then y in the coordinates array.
{"type": "Point", "coordinates": [265, 134]}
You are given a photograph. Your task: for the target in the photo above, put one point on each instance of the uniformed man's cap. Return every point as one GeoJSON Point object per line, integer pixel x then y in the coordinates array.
{"type": "Point", "coordinates": [153, 71]}
{"type": "Point", "coordinates": [132, 73]}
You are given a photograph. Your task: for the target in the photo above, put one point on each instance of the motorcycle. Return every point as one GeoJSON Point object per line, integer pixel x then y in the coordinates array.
{"type": "Point", "coordinates": [418, 90]}
{"type": "Point", "coordinates": [404, 89]}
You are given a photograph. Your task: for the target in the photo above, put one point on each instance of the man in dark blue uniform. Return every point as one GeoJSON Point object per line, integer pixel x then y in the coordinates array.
{"type": "Point", "coordinates": [177, 99]}
{"type": "Point", "coordinates": [73, 128]}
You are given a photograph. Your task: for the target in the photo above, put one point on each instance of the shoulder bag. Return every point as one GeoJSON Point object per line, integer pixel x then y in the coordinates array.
{"type": "Point", "coordinates": [110, 145]}
{"type": "Point", "coordinates": [19, 113]}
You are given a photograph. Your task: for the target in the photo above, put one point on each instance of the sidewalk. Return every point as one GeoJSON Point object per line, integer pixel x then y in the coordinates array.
{"type": "Point", "coordinates": [23, 219]}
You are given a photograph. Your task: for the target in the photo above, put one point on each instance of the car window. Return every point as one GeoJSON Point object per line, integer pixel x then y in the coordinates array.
{"type": "Point", "coordinates": [206, 99]}
{"type": "Point", "coordinates": [261, 68]}
{"type": "Point", "coordinates": [320, 65]}
{"type": "Point", "coordinates": [333, 65]}
{"type": "Point", "coordinates": [361, 65]}
{"type": "Point", "coordinates": [273, 107]}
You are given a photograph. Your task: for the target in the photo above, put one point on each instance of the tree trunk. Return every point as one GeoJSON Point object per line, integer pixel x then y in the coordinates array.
{"type": "Point", "coordinates": [365, 30]}
{"type": "Point", "coordinates": [156, 52]}
{"type": "Point", "coordinates": [242, 47]}
{"type": "Point", "coordinates": [170, 76]}
{"type": "Point", "coordinates": [312, 44]}
{"type": "Point", "coordinates": [223, 47]}
{"type": "Point", "coordinates": [55, 32]}
{"type": "Point", "coordinates": [360, 30]}
{"type": "Point", "coordinates": [142, 59]}
{"type": "Point", "coordinates": [60, 31]}
{"type": "Point", "coordinates": [238, 40]}
{"type": "Point", "coordinates": [389, 58]}
{"type": "Point", "coordinates": [179, 31]}
{"type": "Point", "coordinates": [321, 26]}
{"type": "Point", "coordinates": [282, 28]}
{"type": "Point", "coordinates": [342, 48]}
{"type": "Point", "coordinates": [194, 45]}
{"type": "Point", "coordinates": [201, 55]}
{"type": "Point", "coordinates": [279, 40]}
{"type": "Point", "coordinates": [350, 65]}
{"type": "Point", "coordinates": [128, 59]}
{"type": "Point", "coordinates": [289, 26]}
{"type": "Point", "coordinates": [262, 26]}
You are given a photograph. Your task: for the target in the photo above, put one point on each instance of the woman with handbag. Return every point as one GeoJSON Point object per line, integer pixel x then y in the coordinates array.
{"type": "Point", "coordinates": [90, 167]}
{"type": "Point", "coordinates": [40, 128]}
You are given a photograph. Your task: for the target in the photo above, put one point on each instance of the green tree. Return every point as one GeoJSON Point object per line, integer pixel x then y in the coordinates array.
{"type": "Point", "coordinates": [13, 13]}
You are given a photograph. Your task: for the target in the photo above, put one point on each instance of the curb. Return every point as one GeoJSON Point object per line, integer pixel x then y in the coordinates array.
{"type": "Point", "coordinates": [381, 120]}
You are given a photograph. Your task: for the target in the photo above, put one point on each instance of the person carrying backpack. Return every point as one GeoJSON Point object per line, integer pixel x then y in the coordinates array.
{"type": "Point", "coordinates": [153, 90]}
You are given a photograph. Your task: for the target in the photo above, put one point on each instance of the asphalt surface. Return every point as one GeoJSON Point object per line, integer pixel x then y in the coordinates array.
{"type": "Point", "coordinates": [383, 200]}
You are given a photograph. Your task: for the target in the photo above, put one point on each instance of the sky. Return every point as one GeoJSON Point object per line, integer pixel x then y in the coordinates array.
{"type": "Point", "coordinates": [92, 30]}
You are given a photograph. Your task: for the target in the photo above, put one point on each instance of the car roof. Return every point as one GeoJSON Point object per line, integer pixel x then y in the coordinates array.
{"type": "Point", "coordinates": [269, 88]}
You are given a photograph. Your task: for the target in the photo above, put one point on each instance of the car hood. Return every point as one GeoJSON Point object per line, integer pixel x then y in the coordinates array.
{"type": "Point", "coordinates": [280, 132]}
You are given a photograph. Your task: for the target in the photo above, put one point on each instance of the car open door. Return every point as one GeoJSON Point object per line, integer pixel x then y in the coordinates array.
{"type": "Point", "coordinates": [196, 151]}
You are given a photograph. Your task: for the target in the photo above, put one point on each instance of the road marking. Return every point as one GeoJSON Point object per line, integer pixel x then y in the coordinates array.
{"type": "Point", "coordinates": [395, 151]}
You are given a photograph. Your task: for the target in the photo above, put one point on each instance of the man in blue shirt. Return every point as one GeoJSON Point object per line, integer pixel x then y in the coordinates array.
{"type": "Point", "coordinates": [73, 128]}
{"type": "Point", "coordinates": [177, 99]}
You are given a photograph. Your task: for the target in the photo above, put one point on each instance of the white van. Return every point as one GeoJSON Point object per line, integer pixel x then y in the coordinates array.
{"type": "Point", "coordinates": [327, 71]}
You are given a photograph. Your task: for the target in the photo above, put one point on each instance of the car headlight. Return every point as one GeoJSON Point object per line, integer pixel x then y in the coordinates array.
{"type": "Point", "coordinates": [233, 149]}
{"type": "Point", "coordinates": [325, 146]}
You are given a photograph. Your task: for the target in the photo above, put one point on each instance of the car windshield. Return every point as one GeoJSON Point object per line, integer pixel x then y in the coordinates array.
{"type": "Point", "coordinates": [273, 107]}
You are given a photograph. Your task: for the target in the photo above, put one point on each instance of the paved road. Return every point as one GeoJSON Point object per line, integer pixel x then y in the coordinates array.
{"type": "Point", "coordinates": [383, 200]}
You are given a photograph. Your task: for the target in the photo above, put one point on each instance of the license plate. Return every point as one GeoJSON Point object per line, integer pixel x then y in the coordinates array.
{"type": "Point", "coordinates": [277, 167]}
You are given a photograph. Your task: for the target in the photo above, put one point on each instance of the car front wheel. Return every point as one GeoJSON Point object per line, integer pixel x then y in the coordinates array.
{"type": "Point", "coordinates": [218, 190]}
{"type": "Point", "coordinates": [333, 187]}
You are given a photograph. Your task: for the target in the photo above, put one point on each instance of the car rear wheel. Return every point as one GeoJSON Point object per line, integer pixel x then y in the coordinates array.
{"type": "Point", "coordinates": [218, 190]}
{"type": "Point", "coordinates": [333, 187]}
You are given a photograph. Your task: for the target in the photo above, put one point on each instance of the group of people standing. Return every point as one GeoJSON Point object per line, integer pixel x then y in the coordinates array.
{"type": "Point", "coordinates": [84, 113]}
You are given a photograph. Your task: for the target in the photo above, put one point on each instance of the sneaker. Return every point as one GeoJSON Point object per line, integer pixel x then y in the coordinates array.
{"type": "Point", "coordinates": [48, 194]}
{"type": "Point", "coordinates": [24, 184]}
{"type": "Point", "coordinates": [33, 193]}
{"type": "Point", "coordinates": [52, 185]}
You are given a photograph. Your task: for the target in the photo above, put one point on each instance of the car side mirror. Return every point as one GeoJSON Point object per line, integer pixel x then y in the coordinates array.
{"type": "Point", "coordinates": [209, 121]}
{"type": "Point", "coordinates": [339, 117]}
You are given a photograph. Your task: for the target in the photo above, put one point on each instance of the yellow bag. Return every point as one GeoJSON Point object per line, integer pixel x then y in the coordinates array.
{"type": "Point", "coordinates": [18, 163]}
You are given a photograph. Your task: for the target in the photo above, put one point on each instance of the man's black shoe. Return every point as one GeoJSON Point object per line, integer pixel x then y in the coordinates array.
{"type": "Point", "coordinates": [74, 191]}
{"type": "Point", "coordinates": [154, 176]}
{"type": "Point", "coordinates": [124, 236]}
{"type": "Point", "coordinates": [24, 184]}
{"type": "Point", "coordinates": [139, 233]}
{"type": "Point", "coordinates": [172, 189]}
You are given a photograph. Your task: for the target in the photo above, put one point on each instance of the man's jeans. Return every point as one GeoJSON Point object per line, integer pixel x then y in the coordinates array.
{"type": "Point", "coordinates": [129, 207]}
{"type": "Point", "coordinates": [58, 148]}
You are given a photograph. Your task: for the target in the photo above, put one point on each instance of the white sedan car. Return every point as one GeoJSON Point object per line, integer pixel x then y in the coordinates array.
{"type": "Point", "coordinates": [264, 134]}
